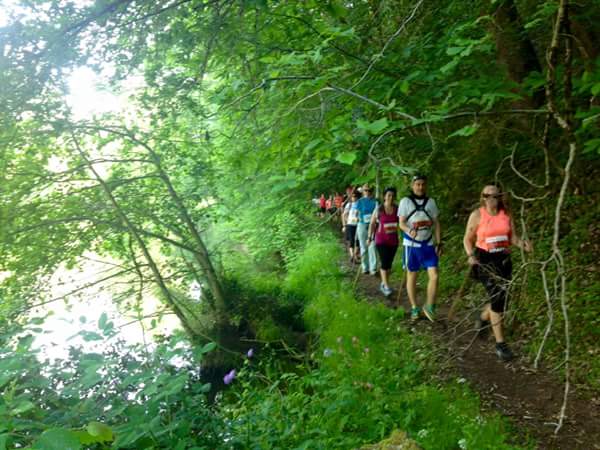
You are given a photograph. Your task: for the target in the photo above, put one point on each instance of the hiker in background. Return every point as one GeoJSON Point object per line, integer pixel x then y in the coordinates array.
{"type": "Point", "coordinates": [419, 223]}
{"type": "Point", "coordinates": [348, 194]}
{"type": "Point", "coordinates": [338, 202]}
{"type": "Point", "coordinates": [368, 254]}
{"type": "Point", "coordinates": [329, 205]}
{"type": "Point", "coordinates": [322, 205]}
{"type": "Point", "coordinates": [385, 222]}
{"type": "Point", "coordinates": [349, 224]}
{"type": "Point", "coordinates": [488, 237]}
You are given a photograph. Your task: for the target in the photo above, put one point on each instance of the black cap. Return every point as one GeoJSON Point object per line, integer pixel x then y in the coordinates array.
{"type": "Point", "coordinates": [419, 176]}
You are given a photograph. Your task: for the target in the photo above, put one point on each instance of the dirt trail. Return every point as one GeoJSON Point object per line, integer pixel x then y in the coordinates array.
{"type": "Point", "coordinates": [530, 400]}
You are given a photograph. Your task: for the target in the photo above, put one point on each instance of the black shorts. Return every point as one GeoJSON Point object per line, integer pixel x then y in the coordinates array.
{"type": "Point", "coordinates": [494, 271]}
{"type": "Point", "coordinates": [351, 234]}
{"type": "Point", "coordinates": [386, 255]}
{"type": "Point", "coordinates": [323, 209]}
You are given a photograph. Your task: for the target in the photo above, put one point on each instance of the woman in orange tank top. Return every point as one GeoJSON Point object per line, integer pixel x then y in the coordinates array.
{"type": "Point", "coordinates": [489, 235]}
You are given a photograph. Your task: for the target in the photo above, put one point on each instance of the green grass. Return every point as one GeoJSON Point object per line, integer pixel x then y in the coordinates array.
{"type": "Point", "coordinates": [365, 377]}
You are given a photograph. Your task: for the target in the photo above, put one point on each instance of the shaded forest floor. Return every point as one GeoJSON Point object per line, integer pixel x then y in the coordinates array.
{"type": "Point", "coordinates": [530, 400]}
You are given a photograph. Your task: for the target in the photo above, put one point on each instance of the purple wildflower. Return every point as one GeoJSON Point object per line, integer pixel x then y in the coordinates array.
{"type": "Point", "coordinates": [327, 352]}
{"type": "Point", "coordinates": [250, 353]}
{"type": "Point", "coordinates": [229, 377]}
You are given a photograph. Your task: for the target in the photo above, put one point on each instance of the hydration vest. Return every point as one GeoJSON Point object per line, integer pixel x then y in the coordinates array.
{"type": "Point", "coordinates": [422, 224]}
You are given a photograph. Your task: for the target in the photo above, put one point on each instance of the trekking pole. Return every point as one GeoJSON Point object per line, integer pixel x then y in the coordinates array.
{"type": "Point", "coordinates": [404, 279]}
{"type": "Point", "coordinates": [357, 276]}
{"type": "Point", "coordinates": [356, 247]}
{"type": "Point", "coordinates": [359, 265]}
{"type": "Point", "coordinates": [401, 288]}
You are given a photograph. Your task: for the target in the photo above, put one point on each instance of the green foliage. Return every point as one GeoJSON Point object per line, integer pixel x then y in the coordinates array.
{"type": "Point", "coordinates": [375, 127]}
{"type": "Point", "coordinates": [251, 108]}
{"type": "Point", "coordinates": [124, 397]}
{"type": "Point", "coordinates": [366, 377]}
{"type": "Point", "coordinates": [262, 309]}
{"type": "Point", "coordinates": [55, 439]}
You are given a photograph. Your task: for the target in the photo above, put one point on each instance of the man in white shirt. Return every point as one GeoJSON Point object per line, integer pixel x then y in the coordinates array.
{"type": "Point", "coordinates": [421, 234]}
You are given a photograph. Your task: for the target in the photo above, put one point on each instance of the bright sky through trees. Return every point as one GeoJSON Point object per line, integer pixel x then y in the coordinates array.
{"type": "Point", "coordinates": [6, 6]}
{"type": "Point", "coordinates": [83, 306]}
{"type": "Point", "coordinates": [89, 96]}
{"type": "Point", "coordinates": [86, 98]}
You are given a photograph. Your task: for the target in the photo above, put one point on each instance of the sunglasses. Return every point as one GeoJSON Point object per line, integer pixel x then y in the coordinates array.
{"type": "Point", "coordinates": [491, 195]}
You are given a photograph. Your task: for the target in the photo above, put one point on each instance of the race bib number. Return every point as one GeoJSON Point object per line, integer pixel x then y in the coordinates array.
{"type": "Point", "coordinates": [497, 243]}
{"type": "Point", "coordinates": [422, 225]}
{"type": "Point", "coordinates": [390, 228]}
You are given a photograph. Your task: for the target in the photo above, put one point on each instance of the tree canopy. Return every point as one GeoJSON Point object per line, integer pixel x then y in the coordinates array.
{"type": "Point", "coordinates": [243, 111]}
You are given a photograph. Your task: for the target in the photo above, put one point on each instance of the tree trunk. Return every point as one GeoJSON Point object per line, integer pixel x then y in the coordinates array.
{"type": "Point", "coordinates": [133, 232]}
{"type": "Point", "coordinates": [200, 252]}
{"type": "Point", "coordinates": [201, 255]}
{"type": "Point", "coordinates": [515, 51]}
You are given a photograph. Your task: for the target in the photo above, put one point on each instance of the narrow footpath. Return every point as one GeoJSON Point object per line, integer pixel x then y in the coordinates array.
{"type": "Point", "coordinates": [530, 400]}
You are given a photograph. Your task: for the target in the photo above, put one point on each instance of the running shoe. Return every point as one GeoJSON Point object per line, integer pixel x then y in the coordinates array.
{"type": "Point", "coordinates": [415, 314]}
{"type": "Point", "coordinates": [503, 351]}
{"type": "Point", "coordinates": [383, 289]}
{"type": "Point", "coordinates": [387, 291]}
{"type": "Point", "coordinates": [429, 311]}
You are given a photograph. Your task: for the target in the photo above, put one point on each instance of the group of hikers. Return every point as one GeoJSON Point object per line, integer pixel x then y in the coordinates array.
{"type": "Point", "coordinates": [375, 226]}
{"type": "Point", "coordinates": [332, 205]}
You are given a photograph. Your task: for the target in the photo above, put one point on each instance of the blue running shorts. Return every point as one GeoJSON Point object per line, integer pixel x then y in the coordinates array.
{"type": "Point", "coordinates": [419, 258]}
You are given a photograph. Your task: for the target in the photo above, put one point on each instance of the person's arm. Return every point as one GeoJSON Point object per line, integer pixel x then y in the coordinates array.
{"type": "Point", "coordinates": [516, 240]}
{"type": "Point", "coordinates": [471, 236]}
{"type": "Point", "coordinates": [372, 225]}
{"type": "Point", "coordinates": [434, 213]}
{"type": "Point", "coordinates": [345, 217]}
{"type": "Point", "coordinates": [438, 235]}
{"type": "Point", "coordinates": [406, 228]}
{"type": "Point", "coordinates": [403, 224]}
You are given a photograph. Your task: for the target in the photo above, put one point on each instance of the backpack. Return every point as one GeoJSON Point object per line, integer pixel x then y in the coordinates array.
{"type": "Point", "coordinates": [419, 207]}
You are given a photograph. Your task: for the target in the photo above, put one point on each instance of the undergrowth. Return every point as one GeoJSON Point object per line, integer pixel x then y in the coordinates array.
{"type": "Point", "coordinates": [365, 376]}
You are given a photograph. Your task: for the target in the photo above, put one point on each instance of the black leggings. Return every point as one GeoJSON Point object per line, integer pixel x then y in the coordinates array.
{"type": "Point", "coordinates": [351, 235]}
{"type": "Point", "coordinates": [386, 255]}
{"type": "Point", "coordinates": [494, 271]}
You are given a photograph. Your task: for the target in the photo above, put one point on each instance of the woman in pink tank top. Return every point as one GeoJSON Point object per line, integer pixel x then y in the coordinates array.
{"type": "Point", "coordinates": [385, 222]}
{"type": "Point", "coordinates": [489, 235]}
